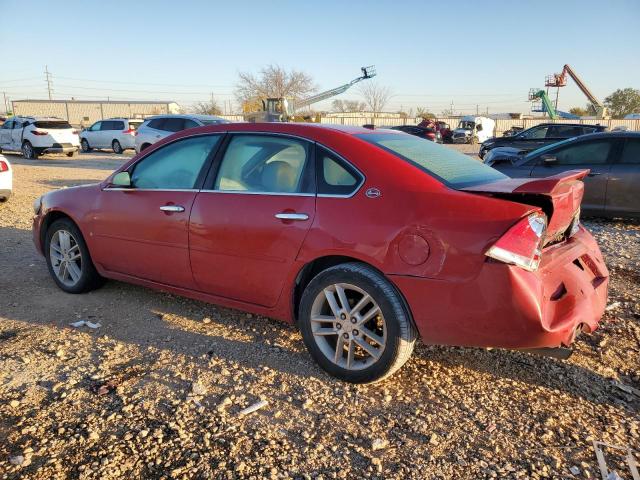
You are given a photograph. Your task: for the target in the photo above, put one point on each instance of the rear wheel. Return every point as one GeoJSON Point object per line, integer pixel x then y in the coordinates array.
{"type": "Point", "coordinates": [68, 258]}
{"type": "Point", "coordinates": [85, 145]}
{"type": "Point", "coordinates": [28, 151]}
{"type": "Point", "coordinates": [144, 147]}
{"type": "Point", "coordinates": [117, 148]}
{"type": "Point", "coordinates": [355, 324]}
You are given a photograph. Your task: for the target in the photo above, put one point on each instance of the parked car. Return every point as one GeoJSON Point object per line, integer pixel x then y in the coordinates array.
{"type": "Point", "coordinates": [422, 132]}
{"type": "Point", "coordinates": [161, 126]}
{"type": "Point", "coordinates": [440, 127]}
{"type": "Point", "coordinates": [539, 136]}
{"type": "Point", "coordinates": [34, 136]}
{"type": "Point", "coordinates": [613, 158]}
{"type": "Point", "coordinates": [117, 134]}
{"type": "Point", "coordinates": [6, 179]}
{"type": "Point", "coordinates": [514, 130]}
{"type": "Point", "coordinates": [473, 129]}
{"type": "Point", "coordinates": [305, 223]}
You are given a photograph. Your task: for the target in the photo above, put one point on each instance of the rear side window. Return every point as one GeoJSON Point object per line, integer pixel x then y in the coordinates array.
{"type": "Point", "coordinates": [52, 125]}
{"type": "Point", "coordinates": [134, 125]}
{"type": "Point", "coordinates": [107, 125]}
{"type": "Point", "coordinates": [188, 123]}
{"type": "Point", "coordinates": [452, 168]}
{"type": "Point", "coordinates": [564, 131]}
{"type": "Point", "coordinates": [173, 124]}
{"type": "Point", "coordinates": [585, 153]}
{"type": "Point", "coordinates": [117, 125]}
{"type": "Point", "coordinates": [335, 177]}
{"type": "Point", "coordinates": [631, 152]}
{"type": "Point", "coordinates": [156, 123]}
{"type": "Point", "coordinates": [174, 166]}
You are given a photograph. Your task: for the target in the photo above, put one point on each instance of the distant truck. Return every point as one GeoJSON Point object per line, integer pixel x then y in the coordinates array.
{"type": "Point", "coordinates": [473, 129]}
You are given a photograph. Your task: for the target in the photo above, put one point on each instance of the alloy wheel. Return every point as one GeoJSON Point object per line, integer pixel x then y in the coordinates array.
{"type": "Point", "coordinates": [348, 326]}
{"type": "Point", "coordinates": [66, 257]}
{"type": "Point", "coordinates": [27, 150]}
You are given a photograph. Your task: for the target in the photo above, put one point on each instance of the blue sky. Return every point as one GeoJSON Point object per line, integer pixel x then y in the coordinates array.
{"type": "Point", "coordinates": [428, 53]}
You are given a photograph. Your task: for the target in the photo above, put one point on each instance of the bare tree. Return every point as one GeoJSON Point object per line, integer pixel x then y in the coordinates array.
{"type": "Point", "coordinates": [424, 113]}
{"type": "Point", "coordinates": [208, 108]}
{"type": "Point", "coordinates": [375, 96]}
{"type": "Point", "coordinates": [343, 106]}
{"type": "Point", "coordinates": [273, 81]}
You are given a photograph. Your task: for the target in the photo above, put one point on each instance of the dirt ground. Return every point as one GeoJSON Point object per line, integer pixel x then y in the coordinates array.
{"type": "Point", "coordinates": [156, 390]}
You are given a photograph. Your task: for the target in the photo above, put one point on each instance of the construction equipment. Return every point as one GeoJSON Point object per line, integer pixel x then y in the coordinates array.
{"type": "Point", "coordinates": [283, 109]}
{"type": "Point", "coordinates": [558, 80]}
{"type": "Point", "coordinates": [544, 104]}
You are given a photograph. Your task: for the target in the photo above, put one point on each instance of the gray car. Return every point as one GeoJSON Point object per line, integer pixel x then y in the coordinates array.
{"type": "Point", "coordinates": [156, 128]}
{"type": "Point", "coordinates": [612, 187]}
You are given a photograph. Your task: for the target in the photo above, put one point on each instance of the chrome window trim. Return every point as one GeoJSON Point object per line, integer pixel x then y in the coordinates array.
{"type": "Point", "coordinates": [133, 189]}
{"type": "Point", "coordinates": [246, 192]}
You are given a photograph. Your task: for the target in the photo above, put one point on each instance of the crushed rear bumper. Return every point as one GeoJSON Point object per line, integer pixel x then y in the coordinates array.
{"type": "Point", "coordinates": [508, 307]}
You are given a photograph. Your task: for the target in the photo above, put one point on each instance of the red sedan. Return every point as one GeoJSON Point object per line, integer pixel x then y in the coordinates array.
{"type": "Point", "coordinates": [366, 239]}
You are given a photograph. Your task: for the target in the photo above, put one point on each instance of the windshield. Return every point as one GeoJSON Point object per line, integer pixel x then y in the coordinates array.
{"type": "Point", "coordinates": [453, 168]}
{"type": "Point", "coordinates": [546, 148]}
{"type": "Point", "coordinates": [50, 125]}
{"type": "Point", "coordinates": [466, 125]}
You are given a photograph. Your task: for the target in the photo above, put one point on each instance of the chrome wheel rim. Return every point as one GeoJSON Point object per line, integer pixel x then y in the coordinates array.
{"type": "Point", "coordinates": [66, 258]}
{"type": "Point", "coordinates": [26, 150]}
{"type": "Point", "coordinates": [116, 147]}
{"type": "Point", "coordinates": [348, 326]}
{"type": "Point", "coordinates": [85, 145]}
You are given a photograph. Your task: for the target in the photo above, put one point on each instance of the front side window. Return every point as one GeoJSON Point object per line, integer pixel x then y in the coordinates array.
{"type": "Point", "coordinates": [534, 133]}
{"type": "Point", "coordinates": [564, 131]}
{"type": "Point", "coordinates": [335, 177]}
{"type": "Point", "coordinates": [95, 127]}
{"type": "Point", "coordinates": [176, 166]}
{"type": "Point", "coordinates": [262, 163]}
{"type": "Point", "coordinates": [631, 152]}
{"type": "Point", "coordinates": [586, 153]}
{"type": "Point", "coordinates": [156, 123]}
{"type": "Point", "coordinates": [8, 125]}
{"type": "Point", "coordinates": [452, 168]}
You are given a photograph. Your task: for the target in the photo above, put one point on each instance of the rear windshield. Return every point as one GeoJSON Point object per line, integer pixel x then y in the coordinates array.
{"type": "Point", "coordinates": [452, 168]}
{"type": "Point", "coordinates": [212, 122]}
{"type": "Point", "coordinates": [50, 125]}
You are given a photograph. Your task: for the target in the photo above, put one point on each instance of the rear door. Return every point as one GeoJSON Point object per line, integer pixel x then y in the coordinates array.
{"type": "Point", "coordinates": [595, 155]}
{"type": "Point", "coordinates": [106, 133]}
{"type": "Point", "coordinates": [142, 231]}
{"type": "Point", "coordinates": [247, 227]}
{"type": "Point", "coordinates": [623, 190]}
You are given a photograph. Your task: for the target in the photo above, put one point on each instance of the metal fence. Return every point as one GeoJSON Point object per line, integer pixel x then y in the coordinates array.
{"type": "Point", "coordinates": [502, 125]}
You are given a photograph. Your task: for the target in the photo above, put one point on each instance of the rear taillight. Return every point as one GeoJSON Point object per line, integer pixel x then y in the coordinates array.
{"type": "Point", "coordinates": [130, 131]}
{"type": "Point", "coordinates": [3, 166]}
{"type": "Point", "coordinates": [431, 135]}
{"type": "Point", "coordinates": [38, 132]}
{"type": "Point", "coordinates": [521, 245]}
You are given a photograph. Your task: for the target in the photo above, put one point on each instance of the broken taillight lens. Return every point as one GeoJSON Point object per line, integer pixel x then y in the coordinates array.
{"type": "Point", "coordinates": [521, 245]}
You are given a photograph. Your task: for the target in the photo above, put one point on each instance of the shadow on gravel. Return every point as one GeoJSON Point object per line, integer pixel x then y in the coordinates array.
{"type": "Point", "coordinates": [94, 162]}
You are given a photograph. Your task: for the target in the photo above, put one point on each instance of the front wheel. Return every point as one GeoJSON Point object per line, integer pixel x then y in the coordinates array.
{"type": "Point", "coordinates": [117, 148]}
{"type": "Point", "coordinates": [28, 151]}
{"type": "Point", "coordinates": [68, 258]}
{"type": "Point", "coordinates": [355, 324]}
{"type": "Point", "coordinates": [85, 146]}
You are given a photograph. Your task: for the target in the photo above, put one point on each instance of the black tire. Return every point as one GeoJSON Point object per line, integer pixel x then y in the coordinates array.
{"type": "Point", "coordinates": [85, 146]}
{"type": "Point", "coordinates": [144, 147]}
{"type": "Point", "coordinates": [28, 151]}
{"type": "Point", "coordinates": [400, 331]}
{"type": "Point", "coordinates": [117, 148]}
{"type": "Point", "coordinates": [89, 279]}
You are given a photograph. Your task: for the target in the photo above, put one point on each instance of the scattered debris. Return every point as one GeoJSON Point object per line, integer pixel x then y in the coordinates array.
{"type": "Point", "coordinates": [206, 320]}
{"type": "Point", "coordinates": [16, 460]}
{"type": "Point", "coordinates": [574, 470]}
{"type": "Point", "coordinates": [252, 408]}
{"type": "Point", "coordinates": [612, 306]}
{"type": "Point", "coordinates": [602, 464]}
{"type": "Point", "coordinates": [379, 444]}
{"type": "Point", "coordinates": [85, 323]}
{"type": "Point", "coordinates": [627, 389]}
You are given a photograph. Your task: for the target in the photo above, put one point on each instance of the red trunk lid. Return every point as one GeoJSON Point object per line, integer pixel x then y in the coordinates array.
{"type": "Point", "coordinates": [559, 196]}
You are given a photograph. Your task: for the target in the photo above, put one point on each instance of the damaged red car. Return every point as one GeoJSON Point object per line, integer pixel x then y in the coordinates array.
{"type": "Point", "coordinates": [365, 239]}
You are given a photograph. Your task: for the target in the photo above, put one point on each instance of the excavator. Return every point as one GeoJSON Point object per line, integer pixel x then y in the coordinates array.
{"type": "Point", "coordinates": [283, 109]}
{"type": "Point", "coordinates": [558, 80]}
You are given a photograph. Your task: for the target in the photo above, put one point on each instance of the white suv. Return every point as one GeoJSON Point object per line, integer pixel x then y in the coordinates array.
{"type": "Point", "coordinates": [161, 126]}
{"type": "Point", "coordinates": [35, 136]}
{"type": "Point", "coordinates": [118, 134]}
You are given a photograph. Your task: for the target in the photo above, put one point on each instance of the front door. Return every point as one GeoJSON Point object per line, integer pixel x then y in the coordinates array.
{"type": "Point", "coordinates": [142, 231]}
{"type": "Point", "coordinates": [592, 154]}
{"type": "Point", "coordinates": [93, 135]}
{"type": "Point", "coordinates": [249, 224]}
{"type": "Point", "coordinates": [5, 134]}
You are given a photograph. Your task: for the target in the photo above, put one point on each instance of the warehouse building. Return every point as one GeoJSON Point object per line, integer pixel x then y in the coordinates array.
{"type": "Point", "coordinates": [83, 113]}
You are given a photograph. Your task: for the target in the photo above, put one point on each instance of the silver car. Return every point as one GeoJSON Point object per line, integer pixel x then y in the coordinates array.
{"type": "Point", "coordinates": [117, 134]}
{"type": "Point", "coordinates": [156, 128]}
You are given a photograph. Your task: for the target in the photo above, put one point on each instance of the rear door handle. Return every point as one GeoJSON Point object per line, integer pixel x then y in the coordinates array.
{"type": "Point", "coordinates": [172, 208]}
{"type": "Point", "coordinates": [292, 216]}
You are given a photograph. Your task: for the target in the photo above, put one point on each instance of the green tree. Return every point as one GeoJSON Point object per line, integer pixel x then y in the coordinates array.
{"type": "Point", "coordinates": [581, 112]}
{"type": "Point", "coordinates": [623, 102]}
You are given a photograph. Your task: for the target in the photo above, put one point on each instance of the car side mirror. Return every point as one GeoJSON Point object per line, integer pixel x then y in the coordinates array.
{"type": "Point", "coordinates": [549, 160]}
{"type": "Point", "coordinates": [121, 179]}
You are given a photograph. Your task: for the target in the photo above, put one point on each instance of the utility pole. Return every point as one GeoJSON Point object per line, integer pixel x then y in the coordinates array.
{"type": "Point", "coordinates": [477, 109]}
{"type": "Point", "coordinates": [6, 109]}
{"type": "Point", "coordinates": [47, 77]}
{"type": "Point", "coordinates": [452, 108]}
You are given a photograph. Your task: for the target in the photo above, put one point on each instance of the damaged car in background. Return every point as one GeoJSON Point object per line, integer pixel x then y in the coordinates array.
{"type": "Point", "coordinates": [307, 224]}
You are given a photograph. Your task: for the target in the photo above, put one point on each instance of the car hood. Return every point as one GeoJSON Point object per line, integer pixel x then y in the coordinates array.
{"type": "Point", "coordinates": [504, 153]}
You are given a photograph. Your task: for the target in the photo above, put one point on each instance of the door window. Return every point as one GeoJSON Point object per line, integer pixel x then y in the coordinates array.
{"type": "Point", "coordinates": [564, 131]}
{"type": "Point", "coordinates": [586, 153]}
{"type": "Point", "coordinates": [8, 125]}
{"type": "Point", "coordinates": [95, 127]}
{"type": "Point", "coordinates": [188, 123]}
{"type": "Point", "coordinates": [156, 123]}
{"type": "Point", "coordinates": [535, 133]}
{"type": "Point", "coordinates": [335, 177]}
{"type": "Point", "coordinates": [107, 125]}
{"type": "Point", "coordinates": [631, 152]}
{"type": "Point", "coordinates": [173, 124]}
{"type": "Point", "coordinates": [261, 163]}
{"type": "Point", "coordinates": [176, 166]}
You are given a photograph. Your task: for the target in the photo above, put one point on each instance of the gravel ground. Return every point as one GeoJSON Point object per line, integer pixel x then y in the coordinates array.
{"type": "Point", "coordinates": [157, 390]}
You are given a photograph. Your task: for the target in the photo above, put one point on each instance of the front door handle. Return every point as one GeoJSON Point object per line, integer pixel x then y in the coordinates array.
{"type": "Point", "coordinates": [292, 216]}
{"type": "Point", "coordinates": [172, 208]}
{"type": "Point", "coordinates": [593, 174]}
